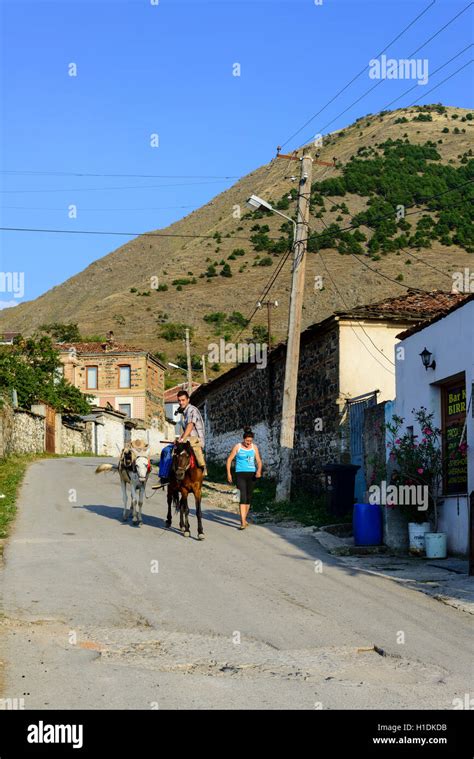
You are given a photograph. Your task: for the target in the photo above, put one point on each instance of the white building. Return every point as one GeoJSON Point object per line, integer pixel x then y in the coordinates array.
{"type": "Point", "coordinates": [445, 387]}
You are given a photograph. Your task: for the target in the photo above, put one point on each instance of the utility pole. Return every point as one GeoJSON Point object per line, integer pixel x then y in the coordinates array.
{"type": "Point", "coordinates": [204, 373]}
{"type": "Point", "coordinates": [269, 304]}
{"type": "Point", "coordinates": [287, 433]}
{"type": "Point", "coordinates": [188, 359]}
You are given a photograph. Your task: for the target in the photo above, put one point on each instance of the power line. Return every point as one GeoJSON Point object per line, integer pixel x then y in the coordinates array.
{"type": "Point", "coordinates": [422, 199]}
{"type": "Point", "coordinates": [27, 172]}
{"type": "Point", "coordinates": [268, 287]}
{"type": "Point", "coordinates": [129, 187]}
{"type": "Point", "coordinates": [279, 268]}
{"type": "Point", "coordinates": [432, 74]}
{"type": "Point", "coordinates": [381, 81]}
{"type": "Point", "coordinates": [444, 80]}
{"type": "Point", "coordinates": [270, 284]}
{"type": "Point", "coordinates": [441, 30]}
{"type": "Point", "coordinates": [64, 208]}
{"type": "Point", "coordinates": [357, 75]}
{"type": "Point", "coordinates": [119, 234]}
{"type": "Point", "coordinates": [359, 323]}
{"type": "Point", "coordinates": [208, 236]}
{"type": "Point", "coordinates": [390, 279]}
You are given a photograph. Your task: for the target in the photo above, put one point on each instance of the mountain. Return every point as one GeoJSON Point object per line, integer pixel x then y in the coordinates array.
{"type": "Point", "coordinates": [381, 161]}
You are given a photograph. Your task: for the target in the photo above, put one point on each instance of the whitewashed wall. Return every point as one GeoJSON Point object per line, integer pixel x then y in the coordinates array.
{"type": "Point", "coordinates": [110, 435]}
{"type": "Point", "coordinates": [451, 341]}
{"type": "Point", "coordinates": [154, 437]}
{"type": "Point", "coordinates": [218, 446]}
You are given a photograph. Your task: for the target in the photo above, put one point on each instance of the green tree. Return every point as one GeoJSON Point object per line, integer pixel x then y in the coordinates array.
{"type": "Point", "coordinates": [32, 368]}
{"type": "Point", "coordinates": [182, 361]}
{"type": "Point", "coordinates": [226, 271]}
{"type": "Point", "coordinates": [174, 331]}
{"type": "Point", "coordinates": [62, 333]}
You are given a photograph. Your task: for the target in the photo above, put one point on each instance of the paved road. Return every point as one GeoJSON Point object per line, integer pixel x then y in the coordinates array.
{"type": "Point", "coordinates": [242, 619]}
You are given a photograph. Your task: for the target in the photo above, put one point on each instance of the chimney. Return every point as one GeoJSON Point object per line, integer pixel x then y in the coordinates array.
{"type": "Point", "coordinates": [110, 342]}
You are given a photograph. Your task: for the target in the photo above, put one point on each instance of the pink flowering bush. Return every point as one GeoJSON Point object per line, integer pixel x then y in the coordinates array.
{"type": "Point", "coordinates": [418, 462]}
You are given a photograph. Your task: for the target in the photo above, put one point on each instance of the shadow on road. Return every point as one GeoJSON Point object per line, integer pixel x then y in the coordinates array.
{"type": "Point", "coordinates": [115, 513]}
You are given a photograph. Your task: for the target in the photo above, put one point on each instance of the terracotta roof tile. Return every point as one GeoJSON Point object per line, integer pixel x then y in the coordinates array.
{"type": "Point", "coordinates": [100, 348]}
{"type": "Point", "coordinates": [413, 305]}
{"type": "Point", "coordinates": [437, 317]}
{"type": "Point", "coordinates": [171, 394]}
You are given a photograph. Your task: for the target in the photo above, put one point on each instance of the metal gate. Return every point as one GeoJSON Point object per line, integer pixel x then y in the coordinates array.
{"type": "Point", "coordinates": [356, 408]}
{"type": "Point", "coordinates": [50, 429]}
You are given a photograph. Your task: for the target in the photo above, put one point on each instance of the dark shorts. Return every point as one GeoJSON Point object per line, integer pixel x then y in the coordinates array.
{"type": "Point", "coordinates": [245, 482]}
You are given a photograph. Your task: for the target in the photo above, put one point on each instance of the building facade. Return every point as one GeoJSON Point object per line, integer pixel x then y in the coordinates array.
{"type": "Point", "coordinates": [446, 388]}
{"type": "Point", "coordinates": [346, 363]}
{"type": "Point", "coordinates": [129, 380]}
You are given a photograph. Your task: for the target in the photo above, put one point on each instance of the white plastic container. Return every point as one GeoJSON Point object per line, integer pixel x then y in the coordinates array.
{"type": "Point", "coordinates": [416, 537]}
{"type": "Point", "coordinates": [435, 545]}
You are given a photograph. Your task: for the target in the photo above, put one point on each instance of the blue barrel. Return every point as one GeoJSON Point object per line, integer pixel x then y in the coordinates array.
{"type": "Point", "coordinates": [367, 524]}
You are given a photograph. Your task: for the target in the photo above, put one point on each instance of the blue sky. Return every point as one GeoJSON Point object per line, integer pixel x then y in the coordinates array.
{"type": "Point", "coordinates": [167, 69]}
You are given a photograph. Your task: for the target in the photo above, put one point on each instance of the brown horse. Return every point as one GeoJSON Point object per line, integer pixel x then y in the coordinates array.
{"type": "Point", "coordinates": [185, 479]}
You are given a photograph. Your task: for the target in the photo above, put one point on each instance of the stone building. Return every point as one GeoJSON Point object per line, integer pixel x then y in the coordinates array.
{"type": "Point", "coordinates": [346, 363]}
{"type": "Point", "coordinates": [128, 379]}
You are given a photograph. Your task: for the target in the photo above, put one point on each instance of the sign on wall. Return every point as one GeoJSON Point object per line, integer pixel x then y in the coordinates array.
{"type": "Point", "coordinates": [454, 400]}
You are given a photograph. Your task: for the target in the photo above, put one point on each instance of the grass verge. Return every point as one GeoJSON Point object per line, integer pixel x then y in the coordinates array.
{"type": "Point", "coordinates": [12, 471]}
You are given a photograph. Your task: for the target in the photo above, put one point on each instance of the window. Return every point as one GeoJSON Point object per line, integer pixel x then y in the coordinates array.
{"type": "Point", "coordinates": [124, 376]}
{"type": "Point", "coordinates": [453, 396]}
{"type": "Point", "coordinates": [91, 377]}
{"type": "Point", "coordinates": [126, 408]}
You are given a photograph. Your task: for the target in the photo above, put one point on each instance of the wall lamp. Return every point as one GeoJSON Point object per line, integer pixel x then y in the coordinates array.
{"type": "Point", "coordinates": [426, 358]}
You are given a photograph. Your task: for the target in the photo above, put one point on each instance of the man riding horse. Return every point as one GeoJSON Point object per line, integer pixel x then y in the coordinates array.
{"type": "Point", "coordinates": [186, 475]}
{"type": "Point", "coordinates": [193, 429]}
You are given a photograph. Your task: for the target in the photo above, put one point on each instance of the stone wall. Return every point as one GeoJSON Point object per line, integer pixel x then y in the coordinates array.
{"type": "Point", "coordinates": [319, 410]}
{"type": "Point", "coordinates": [75, 439]}
{"type": "Point", "coordinates": [27, 433]}
{"type": "Point", "coordinates": [252, 396]}
{"type": "Point", "coordinates": [6, 426]}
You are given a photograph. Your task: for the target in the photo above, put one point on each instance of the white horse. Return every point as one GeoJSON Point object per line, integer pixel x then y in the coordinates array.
{"type": "Point", "coordinates": [134, 469]}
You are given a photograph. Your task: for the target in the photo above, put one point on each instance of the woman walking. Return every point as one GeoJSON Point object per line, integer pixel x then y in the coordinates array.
{"type": "Point", "coordinates": [248, 467]}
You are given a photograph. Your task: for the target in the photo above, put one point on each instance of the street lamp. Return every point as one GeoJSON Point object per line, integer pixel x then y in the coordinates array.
{"type": "Point", "coordinates": [255, 202]}
{"type": "Point", "coordinates": [175, 366]}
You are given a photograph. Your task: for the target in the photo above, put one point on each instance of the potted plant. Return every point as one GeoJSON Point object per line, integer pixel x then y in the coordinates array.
{"type": "Point", "coordinates": [418, 464]}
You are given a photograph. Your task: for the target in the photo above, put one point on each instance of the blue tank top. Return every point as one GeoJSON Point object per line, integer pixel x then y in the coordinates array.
{"type": "Point", "coordinates": [245, 460]}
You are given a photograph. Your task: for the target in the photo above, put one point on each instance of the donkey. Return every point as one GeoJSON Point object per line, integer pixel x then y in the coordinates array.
{"type": "Point", "coordinates": [185, 479]}
{"type": "Point", "coordinates": [134, 470]}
